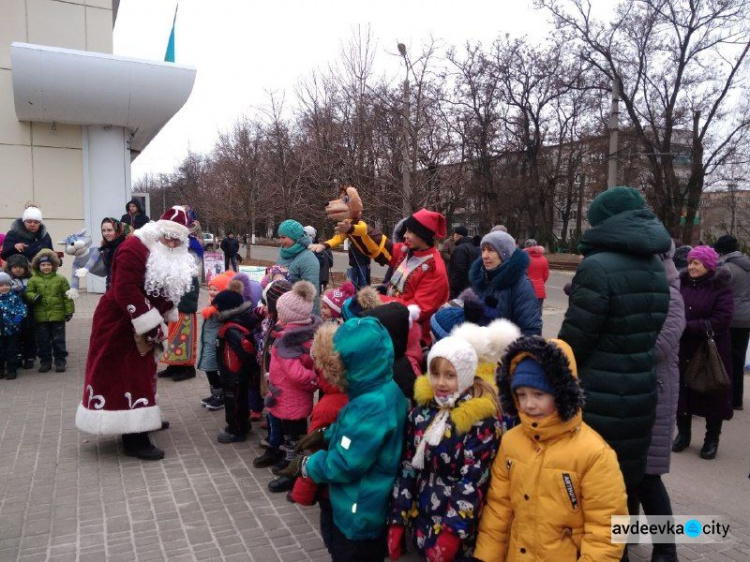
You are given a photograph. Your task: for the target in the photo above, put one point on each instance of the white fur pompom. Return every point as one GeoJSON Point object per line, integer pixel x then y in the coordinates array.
{"type": "Point", "coordinates": [501, 333]}
{"type": "Point", "coordinates": [72, 294]}
{"type": "Point", "coordinates": [81, 272]}
{"type": "Point", "coordinates": [305, 289]}
{"type": "Point", "coordinates": [489, 342]}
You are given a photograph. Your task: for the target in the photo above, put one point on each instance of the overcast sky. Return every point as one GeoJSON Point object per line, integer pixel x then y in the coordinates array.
{"type": "Point", "coordinates": [245, 48]}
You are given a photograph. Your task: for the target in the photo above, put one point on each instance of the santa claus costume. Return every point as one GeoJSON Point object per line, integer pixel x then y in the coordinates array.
{"type": "Point", "coordinates": [420, 280]}
{"type": "Point", "coordinates": [150, 274]}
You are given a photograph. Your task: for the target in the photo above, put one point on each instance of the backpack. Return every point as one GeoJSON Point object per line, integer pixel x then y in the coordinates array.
{"type": "Point", "coordinates": [228, 355]}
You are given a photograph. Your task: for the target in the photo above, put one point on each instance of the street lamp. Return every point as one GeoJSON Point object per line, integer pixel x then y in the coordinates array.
{"type": "Point", "coordinates": [405, 159]}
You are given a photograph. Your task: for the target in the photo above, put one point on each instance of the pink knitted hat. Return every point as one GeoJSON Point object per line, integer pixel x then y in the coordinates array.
{"type": "Point", "coordinates": [706, 255]}
{"type": "Point", "coordinates": [335, 298]}
{"type": "Point", "coordinates": [296, 306]}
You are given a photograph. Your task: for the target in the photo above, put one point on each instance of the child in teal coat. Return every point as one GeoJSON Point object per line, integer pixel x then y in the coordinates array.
{"type": "Point", "coordinates": [364, 444]}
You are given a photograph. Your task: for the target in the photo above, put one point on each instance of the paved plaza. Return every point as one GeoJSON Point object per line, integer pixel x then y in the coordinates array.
{"type": "Point", "coordinates": [68, 496]}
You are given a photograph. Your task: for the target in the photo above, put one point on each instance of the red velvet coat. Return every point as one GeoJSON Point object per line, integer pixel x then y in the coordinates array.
{"type": "Point", "coordinates": [119, 393]}
{"type": "Point", "coordinates": [427, 286]}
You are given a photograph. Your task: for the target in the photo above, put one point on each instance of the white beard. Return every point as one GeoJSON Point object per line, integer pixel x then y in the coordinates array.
{"type": "Point", "coordinates": [169, 272]}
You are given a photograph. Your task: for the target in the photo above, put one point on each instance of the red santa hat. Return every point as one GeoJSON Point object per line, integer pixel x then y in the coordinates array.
{"type": "Point", "coordinates": [427, 225]}
{"type": "Point", "coordinates": [174, 223]}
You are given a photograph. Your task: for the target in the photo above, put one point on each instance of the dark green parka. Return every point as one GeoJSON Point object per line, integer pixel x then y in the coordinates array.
{"type": "Point", "coordinates": [618, 303]}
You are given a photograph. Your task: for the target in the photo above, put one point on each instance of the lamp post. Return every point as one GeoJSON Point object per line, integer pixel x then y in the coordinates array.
{"type": "Point", "coordinates": [405, 160]}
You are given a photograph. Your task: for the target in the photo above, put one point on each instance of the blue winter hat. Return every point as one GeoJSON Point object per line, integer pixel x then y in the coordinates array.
{"type": "Point", "coordinates": [291, 229]}
{"type": "Point", "coordinates": [445, 319]}
{"type": "Point", "coordinates": [530, 373]}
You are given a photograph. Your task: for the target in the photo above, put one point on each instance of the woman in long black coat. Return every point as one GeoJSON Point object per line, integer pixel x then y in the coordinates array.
{"type": "Point", "coordinates": [707, 293]}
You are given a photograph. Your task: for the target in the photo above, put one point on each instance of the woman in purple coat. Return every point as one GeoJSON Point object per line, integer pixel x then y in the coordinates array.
{"type": "Point", "coordinates": [708, 297]}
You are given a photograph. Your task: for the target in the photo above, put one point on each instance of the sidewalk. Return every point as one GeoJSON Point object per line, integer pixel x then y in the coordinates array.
{"type": "Point", "coordinates": [68, 496]}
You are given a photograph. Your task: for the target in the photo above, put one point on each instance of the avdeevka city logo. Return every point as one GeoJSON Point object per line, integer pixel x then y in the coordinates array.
{"type": "Point", "coordinates": [668, 529]}
{"type": "Point", "coordinates": [693, 528]}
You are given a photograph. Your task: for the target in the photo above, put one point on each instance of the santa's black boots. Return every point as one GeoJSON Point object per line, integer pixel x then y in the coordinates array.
{"type": "Point", "coordinates": [168, 372]}
{"type": "Point", "coordinates": [183, 373]}
{"type": "Point", "coordinates": [138, 445]}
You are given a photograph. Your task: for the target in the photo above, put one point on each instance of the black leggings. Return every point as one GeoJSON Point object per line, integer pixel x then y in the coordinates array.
{"type": "Point", "coordinates": [654, 499]}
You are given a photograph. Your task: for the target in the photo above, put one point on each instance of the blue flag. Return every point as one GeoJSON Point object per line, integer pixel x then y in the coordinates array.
{"type": "Point", "coordinates": [169, 55]}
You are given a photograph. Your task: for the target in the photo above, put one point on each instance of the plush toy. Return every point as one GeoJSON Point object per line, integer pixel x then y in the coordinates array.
{"type": "Point", "coordinates": [347, 211]}
{"type": "Point", "coordinates": [85, 260]}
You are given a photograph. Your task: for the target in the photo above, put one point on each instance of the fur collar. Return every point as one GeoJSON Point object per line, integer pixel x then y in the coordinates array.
{"type": "Point", "coordinates": [503, 277]}
{"type": "Point", "coordinates": [715, 279]}
{"type": "Point", "coordinates": [557, 361]}
{"type": "Point", "coordinates": [225, 315]}
{"type": "Point", "coordinates": [292, 337]}
{"type": "Point", "coordinates": [21, 231]}
{"type": "Point", "coordinates": [468, 411]}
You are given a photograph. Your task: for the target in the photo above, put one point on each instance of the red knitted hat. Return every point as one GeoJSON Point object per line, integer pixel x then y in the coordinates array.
{"type": "Point", "coordinates": [427, 224]}
{"type": "Point", "coordinates": [335, 298]}
{"type": "Point", "coordinates": [174, 222]}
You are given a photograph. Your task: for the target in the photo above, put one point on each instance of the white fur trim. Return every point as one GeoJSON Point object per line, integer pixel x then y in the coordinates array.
{"type": "Point", "coordinates": [414, 312]}
{"type": "Point", "coordinates": [118, 422]}
{"type": "Point", "coordinates": [72, 294]}
{"type": "Point", "coordinates": [173, 315]}
{"type": "Point", "coordinates": [172, 229]}
{"type": "Point", "coordinates": [81, 272]}
{"type": "Point", "coordinates": [147, 322]}
{"type": "Point", "coordinates": [148, 234]}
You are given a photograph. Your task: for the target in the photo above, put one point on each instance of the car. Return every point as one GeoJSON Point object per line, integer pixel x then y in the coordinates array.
{"type": "Point", "coordinates": [208, 240]}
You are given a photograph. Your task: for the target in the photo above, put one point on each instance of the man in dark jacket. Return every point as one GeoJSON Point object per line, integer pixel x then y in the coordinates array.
{"type": "Point", "coordinates": [135, 217]}
{"type": "Point", "coordinates": [619, 300]}
{"type": "Point", "coordinates": [738, 264]}
{"type": "Point", "coordinates": [464, 254]}
{"type": "Point", "coordinates": [231, 247]}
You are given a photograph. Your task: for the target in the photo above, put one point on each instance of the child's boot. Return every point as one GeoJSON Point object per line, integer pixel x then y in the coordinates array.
{"type": "Point", "coordinates": [269, 457]}
{"type": "Point", "coordinates": [217, 400]}
{"type": "Point", "coordinates": [45, 367]}
{"type": "Point", "coordinates": [60, 367]}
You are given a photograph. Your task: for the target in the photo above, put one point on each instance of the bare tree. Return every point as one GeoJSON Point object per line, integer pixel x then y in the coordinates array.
{"type": "Point", "coordinates": [680, 65]}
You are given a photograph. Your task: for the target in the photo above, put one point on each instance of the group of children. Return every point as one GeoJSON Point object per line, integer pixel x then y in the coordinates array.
{"type": "Point", "coordinates": [34, 307]}
{"type": "Point", "coordinates": [423, 457]}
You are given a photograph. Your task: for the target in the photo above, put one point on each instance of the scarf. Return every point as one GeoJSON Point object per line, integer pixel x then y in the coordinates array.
{"type": "Point", "coordinates": [288, 254]}
{"type": "Point", "coordinates": [435, 431]}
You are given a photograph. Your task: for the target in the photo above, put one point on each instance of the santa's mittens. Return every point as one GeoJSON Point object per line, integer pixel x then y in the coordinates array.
{"type": "Point", "coordinates": [72, 293]}
{"type": "Point", "coordinates": [81, 272]}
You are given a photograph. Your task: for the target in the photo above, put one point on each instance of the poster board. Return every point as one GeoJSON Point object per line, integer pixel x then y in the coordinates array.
{"type": "Point", "coordinates": [254, 272]}
{"type": "Point", "coordinates": [213, 264]}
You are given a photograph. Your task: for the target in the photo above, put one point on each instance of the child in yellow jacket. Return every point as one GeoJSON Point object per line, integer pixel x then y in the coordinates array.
{"type": "Point", "coordinates": [555, 482]}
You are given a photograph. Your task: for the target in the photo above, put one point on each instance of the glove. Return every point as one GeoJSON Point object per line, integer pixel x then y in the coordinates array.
{"type": "Point", "coordinates": [445, 548]}
{"type": "Point", "coordinates": [68, 317]}
{"type": "Point", "coordinates": [317, 248]}
{"type": "Point", "coordinates": [307, 361]}
{"type": "Point", "coordinates": [155, 336]}
{"type": "Point", "coordinates": [395, 534]}
{"type": "Point", "coordinates": [491, 301]}
{"type": "Point", "coordinates": [292, 471]}
{"type": "Point", "coordinates": [312, 441]}
{"type": "Point", "coordinates": [473, 311]}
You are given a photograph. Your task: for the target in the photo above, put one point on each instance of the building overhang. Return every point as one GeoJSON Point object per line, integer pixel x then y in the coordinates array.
{"type": "Point", "coordinates": [51, 84]}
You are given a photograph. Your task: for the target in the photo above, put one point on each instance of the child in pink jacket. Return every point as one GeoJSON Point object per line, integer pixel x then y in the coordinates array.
{"type": "Point", "coordinates": [292, 380]}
